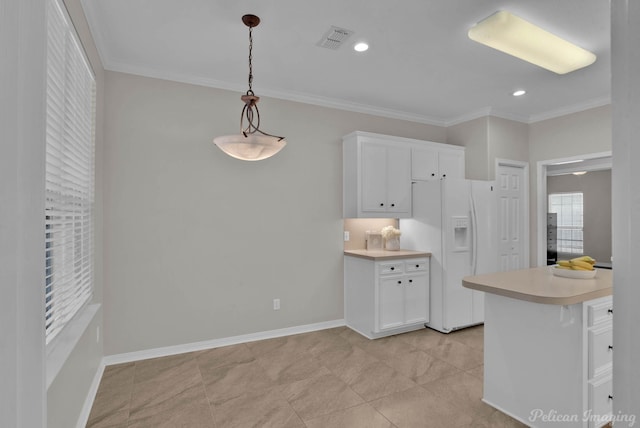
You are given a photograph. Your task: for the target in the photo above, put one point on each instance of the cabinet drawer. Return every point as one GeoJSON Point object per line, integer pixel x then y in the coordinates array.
{"type": "Point", "coordinates": [600, 350]}
{"type": "Point", "coordinates": [417, 265]}
{"type": "Point", "coordinates": [391, 268]}
{"type": "Point", "coordinates": [600, 400]}
{"type": "Point", "coordinates": [600, 312]}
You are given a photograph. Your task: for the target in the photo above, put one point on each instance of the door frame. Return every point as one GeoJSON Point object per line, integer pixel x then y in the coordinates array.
{"type": "Point", "coordinates": [541, 172]}
{"type": "Point", "coordinates": [525, 209]}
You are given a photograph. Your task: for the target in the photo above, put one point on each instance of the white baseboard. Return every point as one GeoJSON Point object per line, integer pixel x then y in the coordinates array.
{"type": "Point", "coordinates": [83, 419]}
{"type": "Point", "coordinates": [217, 343]}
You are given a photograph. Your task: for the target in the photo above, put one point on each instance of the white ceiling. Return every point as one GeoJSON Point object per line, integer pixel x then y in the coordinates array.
{"type": "Point", "coordinates": [421, 66]}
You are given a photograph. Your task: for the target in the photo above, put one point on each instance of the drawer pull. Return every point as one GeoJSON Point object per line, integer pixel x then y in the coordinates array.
{"type": "Point", "coordinates": [392, 268]}
{"type": "Point", "coordinates": [399, 282]}
{"type": "Point", "coordinates": [417, 266]}
{"type": "Point", "coordinates": [610, 397]}
{"type": "Point", "coordinates": [393, 205]}
{"type": "Point", "coordinates": [381, 204]}
{"type": "Point", "coordinates": [410, 281]}
{"type": "Point", "coordinates": [610, 311]}
{"type": "Point", "coordinates": [610, 347]}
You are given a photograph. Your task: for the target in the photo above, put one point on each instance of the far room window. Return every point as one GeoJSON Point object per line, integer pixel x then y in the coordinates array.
{"type": "Point", "coordinates": [569, 209]}
{"type": "Point", "coordinates": [69, 172]}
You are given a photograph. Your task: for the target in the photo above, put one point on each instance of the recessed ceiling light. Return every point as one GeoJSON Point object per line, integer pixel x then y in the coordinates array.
{"type": "Point", "coordinates": [522, 39]}
{"type": "Point", "coordinates": [519, 93]}
{"type": "Point", "coordinates": [361, 47]}
{"type": "Point", "coordinates": [579, 173]}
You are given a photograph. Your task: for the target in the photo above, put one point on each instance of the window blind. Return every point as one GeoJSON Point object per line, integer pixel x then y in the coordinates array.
{"type": "Point", "coordinates": [569, 207]}
{"type": "Point", "coordinates": [69, 173]}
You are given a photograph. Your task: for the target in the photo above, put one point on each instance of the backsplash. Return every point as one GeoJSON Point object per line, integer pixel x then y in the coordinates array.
{"type": "Point", "coordinates": [357, 228]}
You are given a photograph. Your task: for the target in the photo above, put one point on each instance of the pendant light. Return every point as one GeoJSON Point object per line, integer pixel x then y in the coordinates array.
{"type": "Point", "coordinates": [251, 144]}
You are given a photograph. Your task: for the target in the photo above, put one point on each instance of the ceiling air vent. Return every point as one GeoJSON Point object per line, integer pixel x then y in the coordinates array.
{"type": "Point", "coordinates": [334, 38]}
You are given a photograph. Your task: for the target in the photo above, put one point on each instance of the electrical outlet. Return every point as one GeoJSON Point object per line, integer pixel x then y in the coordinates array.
{"type": "Point", "coordinates": [276, 304]}
{"type": "Point", "coordinates": [346, 235]}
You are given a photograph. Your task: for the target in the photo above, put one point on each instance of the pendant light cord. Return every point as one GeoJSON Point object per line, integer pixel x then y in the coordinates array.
{"type": "Point", "coordinates": [250, 91]}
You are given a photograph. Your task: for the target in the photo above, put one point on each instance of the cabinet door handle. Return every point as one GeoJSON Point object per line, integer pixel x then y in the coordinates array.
{"type": "Point", "coordinates": [444, 175]}
{"type": "Point", "coordinates": [381, 204]}
{"type": "Point", "coordinates": [610, 347]}
{"type": "Point", "coordinates": [610, 397]}
{"type": "Point", "coordinates": [410, 281]}
{"type": "Point", "coordinates": [393, 205]}
{"type": "Point", "coordinates": [399, 282]}
{"type": "Point", "coordinates": [417, 266]}
{"type": "Point", "coordinates": [610, 311]}
{"type": "Point", "coordinates": [392, 268]}
{"type": "Point", "coordinates": [433, 174]}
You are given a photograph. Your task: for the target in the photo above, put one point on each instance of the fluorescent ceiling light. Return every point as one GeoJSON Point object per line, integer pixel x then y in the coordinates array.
{"type": "Point", "coordinates": [515, 36]}
{"type": "Point", "coordinates": [579, 173]}
{"type": "Point", "coordinates": [519, 93]}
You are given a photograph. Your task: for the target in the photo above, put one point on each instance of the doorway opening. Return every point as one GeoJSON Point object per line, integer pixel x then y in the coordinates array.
{"type": "Point", "coordinates": [573, 168]}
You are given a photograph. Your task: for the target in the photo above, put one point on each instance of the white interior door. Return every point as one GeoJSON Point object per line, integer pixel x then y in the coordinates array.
{"type": "Point", "coordinates": [513, 241]}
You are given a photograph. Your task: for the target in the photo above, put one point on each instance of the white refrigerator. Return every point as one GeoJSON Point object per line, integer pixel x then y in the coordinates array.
{"type": "Point", "coordinates": [455, 220]}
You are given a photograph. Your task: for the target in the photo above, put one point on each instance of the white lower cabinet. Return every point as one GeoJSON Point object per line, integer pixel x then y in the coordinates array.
{"type": "Point", "coordinates": [600, 401]}
{"type": "Point", "coordinates": [386, 297]}
{"type": "Point", "coordinates": [402, 301]}
{"type": "Point", "coordinates": [549, 365]}
{"type": "Point", "coordinates": [600, 360]}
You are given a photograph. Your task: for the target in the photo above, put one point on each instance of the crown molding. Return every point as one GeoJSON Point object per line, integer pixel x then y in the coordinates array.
{"type": "Point", "coordinates": [273, 93]}
{"type": "Point", "coordinates": [345, 105]}
{"type": "Point", "coordinates": [575, 108]}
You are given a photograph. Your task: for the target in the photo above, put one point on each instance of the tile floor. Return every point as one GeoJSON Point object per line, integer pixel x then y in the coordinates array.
{"type": "Point", "coordinates": [329, 378]}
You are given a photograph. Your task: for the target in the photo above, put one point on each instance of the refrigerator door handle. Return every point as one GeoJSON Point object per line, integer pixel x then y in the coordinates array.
{"type": "Point", "coordinates": [474, 236]}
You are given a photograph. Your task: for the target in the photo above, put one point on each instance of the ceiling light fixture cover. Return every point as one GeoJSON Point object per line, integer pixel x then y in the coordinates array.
{"type": "Point", "coordinates": [515, 36]}
{"type": "Point", "coordinates": [251, 144]}
{"type": "Point", "coordinates": [361, 47]}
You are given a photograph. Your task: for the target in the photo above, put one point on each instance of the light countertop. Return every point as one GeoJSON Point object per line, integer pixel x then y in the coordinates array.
{"type": "Point", "coordinates": [377, 255]}
{"type": "Point", "coordinates": [539, 285]}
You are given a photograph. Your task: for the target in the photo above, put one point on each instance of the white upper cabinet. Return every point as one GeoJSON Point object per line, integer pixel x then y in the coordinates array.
{"type": "Point", "coordinates": [377, 178]}
{"type": "Point", "coordinates": [434, 162]}
{"type": "Point", "coordinates": [378, 171]}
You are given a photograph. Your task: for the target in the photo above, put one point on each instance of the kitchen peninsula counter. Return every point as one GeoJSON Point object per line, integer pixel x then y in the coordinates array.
{"type": "Point", "coordinates": [539, 285]}
{"type": "Point", "coordinates": [548, 346]}
{"type": "Point", "coordinates": [380, 255]}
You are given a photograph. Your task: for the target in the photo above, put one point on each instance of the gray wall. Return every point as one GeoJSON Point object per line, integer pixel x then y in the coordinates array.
{"type": "Point", "coordinates": [509, 140]}
{"type": "Point", "coordinates": [596, 188]}
{"type": "Point", "coordinates": [486, 139]}
{"type": "Point", "coordinates": [625, 18]}
{"type": "Point", "coordinates": [474, 136]}
{"type": "Point", "coordinates": [22, 119]}
{"type": "Point", "coordinates": [198, 244]}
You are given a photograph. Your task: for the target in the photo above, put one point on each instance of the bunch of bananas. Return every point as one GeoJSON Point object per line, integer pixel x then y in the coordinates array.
{"type": "Point", "coordinates": [579, 263]}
